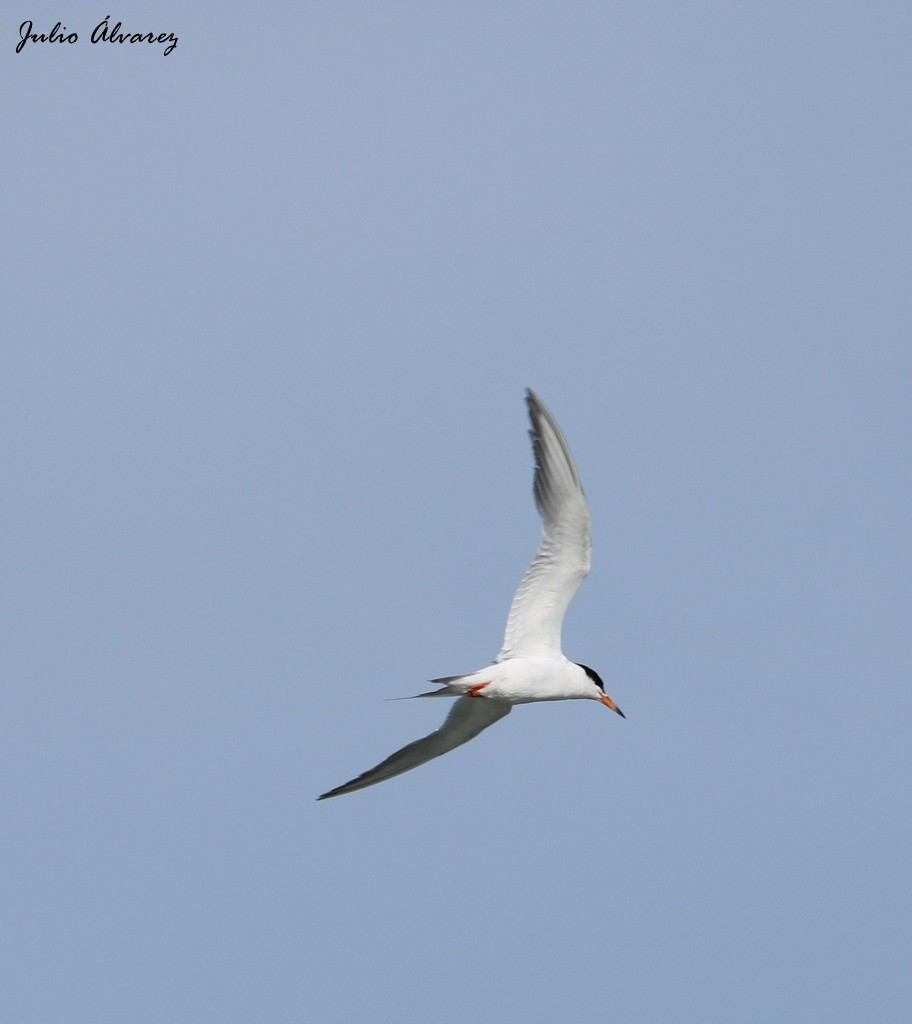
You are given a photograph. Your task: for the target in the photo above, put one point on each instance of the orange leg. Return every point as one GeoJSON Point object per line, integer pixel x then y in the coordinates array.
{"type": "Point", "coordinates": [475, 691]}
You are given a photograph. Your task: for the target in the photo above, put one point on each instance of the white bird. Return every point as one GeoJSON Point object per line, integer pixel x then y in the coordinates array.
{"type": "Point", "coordinates": [530, 666]}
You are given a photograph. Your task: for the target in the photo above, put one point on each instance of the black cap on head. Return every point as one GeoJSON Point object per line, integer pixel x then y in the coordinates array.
{"type": "Point", "coordinates": [594, 676]}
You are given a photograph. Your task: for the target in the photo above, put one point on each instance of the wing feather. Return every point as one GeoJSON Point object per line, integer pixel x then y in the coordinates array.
{"type": "Point", "coordinates": [467, 718]}
{"type": "Point", "coordinates": [565, 553]}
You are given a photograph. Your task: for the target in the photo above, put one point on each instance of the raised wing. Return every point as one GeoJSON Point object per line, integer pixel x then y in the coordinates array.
{"type": "Point", "coordinates": [467, 718]}
{"type": "Point", "coordinates": [564, 555]}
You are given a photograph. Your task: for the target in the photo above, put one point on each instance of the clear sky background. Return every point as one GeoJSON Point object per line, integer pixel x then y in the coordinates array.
{"type": "Point", "coordinates": [270, 304]}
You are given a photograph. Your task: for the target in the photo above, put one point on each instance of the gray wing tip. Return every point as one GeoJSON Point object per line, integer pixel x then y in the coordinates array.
{"type": "Point", "coordinates": [542, 421]}
{"type": "Point", "coordinates": [346, 787]}
{"type": "Point", "coordinates": [361, 781]}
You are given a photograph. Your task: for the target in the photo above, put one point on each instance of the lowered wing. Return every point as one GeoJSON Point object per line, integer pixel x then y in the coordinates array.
{"type": "Point", "coordinates": [467, 718]}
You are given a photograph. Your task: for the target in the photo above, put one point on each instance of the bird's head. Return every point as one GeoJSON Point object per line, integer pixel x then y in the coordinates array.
{"type": "Point", "coordinates": [598, 690]}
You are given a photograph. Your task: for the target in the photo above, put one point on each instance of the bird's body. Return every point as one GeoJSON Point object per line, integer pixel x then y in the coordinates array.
{"type": "Point", "coordinates": [522, 681]}
{"type": "Point", "coordinates": [530, 667]}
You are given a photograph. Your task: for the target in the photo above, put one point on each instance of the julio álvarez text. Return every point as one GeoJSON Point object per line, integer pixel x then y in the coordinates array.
{"type": "Point", "coordinates": [104, 32]}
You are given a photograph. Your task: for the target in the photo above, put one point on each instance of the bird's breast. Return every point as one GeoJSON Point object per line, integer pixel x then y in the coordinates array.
{"type": "Point", "coordinates": [526, 680]}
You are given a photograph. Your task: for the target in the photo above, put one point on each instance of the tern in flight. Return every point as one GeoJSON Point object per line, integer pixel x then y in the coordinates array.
{"type": "Point", "coordinates": [531, 666]}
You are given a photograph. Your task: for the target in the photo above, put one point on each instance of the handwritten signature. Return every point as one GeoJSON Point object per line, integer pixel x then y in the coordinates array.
{"type": "Point", "coordinates": [102, 33]}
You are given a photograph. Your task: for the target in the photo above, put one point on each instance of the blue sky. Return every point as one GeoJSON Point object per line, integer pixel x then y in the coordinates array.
{"type": "Point", "coordinates": [271, 304]}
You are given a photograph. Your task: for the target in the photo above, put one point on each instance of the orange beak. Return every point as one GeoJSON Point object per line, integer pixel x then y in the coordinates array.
{"type": "Point", "coordinates": [609, 703]}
